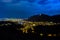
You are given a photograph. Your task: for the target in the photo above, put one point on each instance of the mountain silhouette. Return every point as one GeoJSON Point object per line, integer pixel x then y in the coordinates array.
{"type": "Point", "coordinates": [43, 17]}
{"type": "Point", "coordinates": [55, 18]}
{"type": "Point", "coordinates": [39, 17]}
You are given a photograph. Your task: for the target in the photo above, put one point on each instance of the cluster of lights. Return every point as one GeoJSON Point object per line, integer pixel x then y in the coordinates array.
{"type": "Point", "coordinates": [41, 34]}
{"type": "Point", "coordinates": [31, 25]}
{"type": "Point", "coordinates": [49, 35]}
{"type": "Point", "coordinates": [5, 24]}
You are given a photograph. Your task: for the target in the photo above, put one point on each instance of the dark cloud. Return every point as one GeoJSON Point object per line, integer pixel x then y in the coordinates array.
{"type": "Point", "coordinates": [25, 8]}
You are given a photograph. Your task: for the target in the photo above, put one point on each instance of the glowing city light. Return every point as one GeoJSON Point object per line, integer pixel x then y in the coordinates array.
{"type": "Point", "coordinates": [41, 34]}
{"type": "Point", "coordinates": [54, 35]}
{"type": "Point", "coordinates": [50, 35]}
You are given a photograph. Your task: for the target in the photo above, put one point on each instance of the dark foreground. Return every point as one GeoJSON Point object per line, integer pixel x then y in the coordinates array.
{"type": "Point", "coordinates": [10, 32]}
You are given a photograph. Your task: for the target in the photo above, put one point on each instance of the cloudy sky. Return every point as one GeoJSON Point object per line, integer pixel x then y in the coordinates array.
{"type": "Point", "coordinates": [26, 8]}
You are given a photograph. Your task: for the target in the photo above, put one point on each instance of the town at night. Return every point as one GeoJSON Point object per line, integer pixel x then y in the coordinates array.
{"type": "Point", "coordinates": [29, 19]}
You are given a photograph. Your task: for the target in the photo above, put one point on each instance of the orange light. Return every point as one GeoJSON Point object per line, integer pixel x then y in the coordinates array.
{"type": "Point", "coordinates": [49, 34]}
{"type": "Point", "coordinates": [54, 34]}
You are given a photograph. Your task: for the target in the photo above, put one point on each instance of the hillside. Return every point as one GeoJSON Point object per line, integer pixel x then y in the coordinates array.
{"type": "Point", "coordinates": [43, 17]}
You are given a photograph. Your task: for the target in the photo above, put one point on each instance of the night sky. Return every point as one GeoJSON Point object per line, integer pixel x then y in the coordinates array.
{"type": "Point", "coordinates": [27, 8]}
